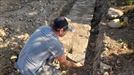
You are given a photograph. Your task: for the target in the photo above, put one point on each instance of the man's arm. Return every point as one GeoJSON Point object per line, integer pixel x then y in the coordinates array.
{"type": "Point", "coordinates": [63, 60]}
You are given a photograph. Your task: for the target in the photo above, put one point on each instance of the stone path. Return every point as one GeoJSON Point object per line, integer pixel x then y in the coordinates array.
{"type": "Point", "coordinates": [82, 11]}
{"type": "Point", "coordinates": [76, 43]}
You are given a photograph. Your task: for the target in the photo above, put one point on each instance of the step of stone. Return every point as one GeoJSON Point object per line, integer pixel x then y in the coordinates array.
{"type": "Point", "coordinates": [75, 43]}
{"type": "Point", "coordinates": [82, 11]}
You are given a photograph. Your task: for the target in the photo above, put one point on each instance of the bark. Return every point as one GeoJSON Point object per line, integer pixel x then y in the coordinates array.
{"type": "Point", "coordinates": [95, 43]}
{"type": "Point", "coordinates": [100, 11]}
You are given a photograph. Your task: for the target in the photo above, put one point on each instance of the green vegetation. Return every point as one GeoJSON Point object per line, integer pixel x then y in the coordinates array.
{"type": "Point", "coordinates": [130, 2]}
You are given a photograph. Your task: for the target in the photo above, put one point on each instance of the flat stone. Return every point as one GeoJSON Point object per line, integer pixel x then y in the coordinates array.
{"type": "Point", "coordinates": [79, 12]}
{"type": "Point", "coordinates": [75, 43]}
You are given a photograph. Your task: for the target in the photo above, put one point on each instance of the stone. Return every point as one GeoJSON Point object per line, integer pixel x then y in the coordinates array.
{"type": "Point", "coordinates": [2, 33]}
{"type": "Point", "coordinates": [24, 37]}
{"type": "Point", "coordinates": [1, 40]}
{"type": "Point", "coordinates": [114, 23]}
{"type": "Point", "coordinates": [13, 57]}
{"type": "Point", "coordinates": [104, 66]}
{"type": "Point", "coordinates": [75, 43]}
{"type": "Point", "coordinates": [117, 23]}
{"type": "Point", "coordinates": [79, 17]}
{"type": "Point", "coordinates": [106, 73]}
{"type": "Point", "coordinates": [112, 12]}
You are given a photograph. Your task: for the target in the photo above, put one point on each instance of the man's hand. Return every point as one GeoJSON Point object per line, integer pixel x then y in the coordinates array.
{"type": "Point", "coordinates": [62, 59]}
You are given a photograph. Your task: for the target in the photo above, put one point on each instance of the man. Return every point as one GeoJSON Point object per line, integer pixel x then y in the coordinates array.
{"type": "Point", "coordinates": [42, 48]}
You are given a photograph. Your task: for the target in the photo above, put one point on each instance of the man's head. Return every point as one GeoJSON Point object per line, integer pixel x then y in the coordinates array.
{"type": "Point", "coordinates": [60, 26]}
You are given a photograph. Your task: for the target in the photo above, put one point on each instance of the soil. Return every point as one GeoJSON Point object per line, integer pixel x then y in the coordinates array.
{"type": "Point", "coordinates": [19, 18]}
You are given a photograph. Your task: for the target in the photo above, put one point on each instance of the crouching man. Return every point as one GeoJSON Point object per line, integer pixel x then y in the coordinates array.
{"type": "Point", "coordinates": [42, 48]}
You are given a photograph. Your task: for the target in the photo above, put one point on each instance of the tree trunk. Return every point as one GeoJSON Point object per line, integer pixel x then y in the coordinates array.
{"type": "Point", "coordinates": [95, 43]}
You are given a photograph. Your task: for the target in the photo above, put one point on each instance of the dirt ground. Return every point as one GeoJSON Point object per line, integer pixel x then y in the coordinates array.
{"type": "Point", "coordinates": [119, 50]}
{"type": "Point", "coordinates": [119, 46]}
{"type": "Point", "coordinates": [19, 18]}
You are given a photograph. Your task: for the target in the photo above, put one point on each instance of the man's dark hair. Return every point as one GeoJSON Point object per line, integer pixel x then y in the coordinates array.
{"type": "Point", "coordinates": [59, 23]}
